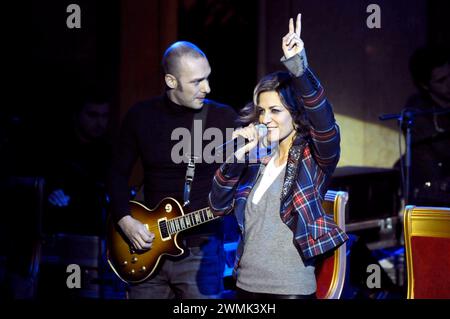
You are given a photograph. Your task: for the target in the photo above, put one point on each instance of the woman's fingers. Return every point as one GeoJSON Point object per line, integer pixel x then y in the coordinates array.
{"type": "Point", "coordinates": [251, 134]}
{"type": "Point", "coordinates": [289, 38]}
{"type": "Point", "coordinates": [245, 132]}
{"type": "Point", "coordinates": [255, 133]}
{"type": "Point", "coordinates": [298, 25]}
{"type": "Point", "coordinates": [293, 41]}
{"type": "Point", "coordinates": [291, 25]}
{"type": "Point", "coordinates": [292, 44]}
{"type": "Point", "coordinates": [298, 29]}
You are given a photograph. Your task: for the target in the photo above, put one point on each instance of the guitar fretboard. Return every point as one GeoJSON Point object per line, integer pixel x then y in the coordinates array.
{"type": "Point", "coordinates": [187, 221]}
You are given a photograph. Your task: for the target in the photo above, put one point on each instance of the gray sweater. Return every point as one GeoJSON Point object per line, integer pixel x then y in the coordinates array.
{"type": "Point", "coordinates": [270, 262]}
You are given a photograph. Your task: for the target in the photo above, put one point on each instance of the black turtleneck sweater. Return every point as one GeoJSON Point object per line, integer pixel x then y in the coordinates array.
{"type": "Point", "coordinates": [146, 133]}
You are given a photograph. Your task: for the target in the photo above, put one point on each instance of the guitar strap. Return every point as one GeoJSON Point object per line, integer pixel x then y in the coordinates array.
{"type": "Point", "coordinates": [192, 156]}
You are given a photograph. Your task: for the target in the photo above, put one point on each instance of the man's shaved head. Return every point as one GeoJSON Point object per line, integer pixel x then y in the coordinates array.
{"type": "Point", "coordinates": [175, 52]}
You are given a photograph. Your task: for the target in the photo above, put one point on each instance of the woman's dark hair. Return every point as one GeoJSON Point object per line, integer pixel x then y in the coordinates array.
{"type": "Point", "coordinates": [282, 83]}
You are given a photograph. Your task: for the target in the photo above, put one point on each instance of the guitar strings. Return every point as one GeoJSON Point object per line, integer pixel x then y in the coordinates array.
{"type": "Point", "coordinates": [184, 217]}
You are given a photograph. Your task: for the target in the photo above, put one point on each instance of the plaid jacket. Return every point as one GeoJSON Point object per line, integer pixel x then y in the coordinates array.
{"type": "Point", "coordinates": [309, 168]}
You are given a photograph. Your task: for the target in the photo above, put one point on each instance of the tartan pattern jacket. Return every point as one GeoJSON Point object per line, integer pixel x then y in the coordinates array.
{"type": "Point", "coordinates": [309, 167]}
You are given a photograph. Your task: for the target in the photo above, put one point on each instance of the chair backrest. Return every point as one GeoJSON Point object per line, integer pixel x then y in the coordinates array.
{"type": "Point", "coordinates": [427, 245]}
{"type": "Point", "coordinates": [330, 272]}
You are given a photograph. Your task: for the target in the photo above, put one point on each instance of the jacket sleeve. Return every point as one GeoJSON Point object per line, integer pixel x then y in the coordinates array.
{"type": "Point", "coordinates": [225, 182]}
{"type": "Point", "coordinates": [325, 136]}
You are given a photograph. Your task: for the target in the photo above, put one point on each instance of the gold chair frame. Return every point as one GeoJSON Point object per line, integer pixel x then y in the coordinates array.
{"type": "Point", "coordinates": [423, 221]}
{"type": "Point", "coordinates": [335, 204]}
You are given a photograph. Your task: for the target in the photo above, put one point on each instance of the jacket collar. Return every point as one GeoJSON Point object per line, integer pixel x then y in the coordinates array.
{"type": "Point", "coordinates": [295, 153]}
{"type": "Point", "coordinates": [294, 157]}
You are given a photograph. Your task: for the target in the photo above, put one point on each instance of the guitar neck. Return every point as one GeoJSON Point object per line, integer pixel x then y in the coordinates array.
{"type": "Point", "coordinates": [190, 220]}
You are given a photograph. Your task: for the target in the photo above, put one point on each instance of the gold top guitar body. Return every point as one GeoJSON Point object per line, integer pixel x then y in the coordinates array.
{"type": "Point", "coordinates": [166, 221]}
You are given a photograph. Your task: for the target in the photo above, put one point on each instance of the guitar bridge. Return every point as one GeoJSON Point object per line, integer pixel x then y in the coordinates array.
{"type": "Point", "coordinates": [163, 231]}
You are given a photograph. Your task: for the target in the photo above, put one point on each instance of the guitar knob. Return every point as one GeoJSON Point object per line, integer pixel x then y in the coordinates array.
{"type": "Point", "coordinates": [132, 271]}
{"type": "Point", "coordinates": [124, 263]}
{"type": "Point", "coordinates": [134, 260]}
{"type": "Point", "coordinates": [143, 268]}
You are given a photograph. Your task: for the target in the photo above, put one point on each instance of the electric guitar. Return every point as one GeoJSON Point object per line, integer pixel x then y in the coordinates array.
{"type": "Point", "coordinates": [166, 221]}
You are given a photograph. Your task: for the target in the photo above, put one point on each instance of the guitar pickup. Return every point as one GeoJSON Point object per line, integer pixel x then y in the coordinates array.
{"type": "Point", "coordinates": [163, 231]}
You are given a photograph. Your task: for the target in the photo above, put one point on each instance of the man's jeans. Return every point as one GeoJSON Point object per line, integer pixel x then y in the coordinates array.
{"type": "Point", "coordinates": [197, 276]}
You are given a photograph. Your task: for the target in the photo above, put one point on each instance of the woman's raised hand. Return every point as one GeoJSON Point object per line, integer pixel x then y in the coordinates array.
{"type": "Point", "coordinates": [292, 44]}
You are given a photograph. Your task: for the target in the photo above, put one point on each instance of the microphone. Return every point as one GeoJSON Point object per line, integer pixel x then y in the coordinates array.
{"type": "Point", "coordinates": [261, 129]}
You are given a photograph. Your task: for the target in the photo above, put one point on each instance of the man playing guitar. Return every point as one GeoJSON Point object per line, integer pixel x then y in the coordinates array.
{"type": "Point", "coordinates": [147, 133]}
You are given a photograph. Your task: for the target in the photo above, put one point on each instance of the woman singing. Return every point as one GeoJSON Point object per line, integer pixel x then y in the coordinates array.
{"type": "Point", "coordinates": [277, 199]}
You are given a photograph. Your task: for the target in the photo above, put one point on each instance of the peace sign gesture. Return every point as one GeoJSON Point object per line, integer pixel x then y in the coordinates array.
{"type": "Point", "coordinates": [291, 43]}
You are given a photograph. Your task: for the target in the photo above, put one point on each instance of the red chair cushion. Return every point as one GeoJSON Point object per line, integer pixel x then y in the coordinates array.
{"type": "Point", "coordinates": [324, 276]}
{"type": "Point", "coordinates": [431, 267]}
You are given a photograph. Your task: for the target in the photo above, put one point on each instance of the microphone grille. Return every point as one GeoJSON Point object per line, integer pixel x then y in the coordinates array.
{"type": "Point", "coordinates": [262, 130]}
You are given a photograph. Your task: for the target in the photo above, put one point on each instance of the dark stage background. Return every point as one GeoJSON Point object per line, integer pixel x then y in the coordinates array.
{"type": "Point", "coordinates": [119, 46]}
